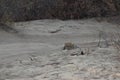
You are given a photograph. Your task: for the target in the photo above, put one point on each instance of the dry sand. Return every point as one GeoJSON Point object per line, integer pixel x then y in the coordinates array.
{"type": "Point", "coordinates": [35, 53]}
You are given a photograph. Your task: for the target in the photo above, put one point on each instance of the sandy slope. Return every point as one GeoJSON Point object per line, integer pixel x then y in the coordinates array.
{"type": "Point", "coordinates": [35, 53]}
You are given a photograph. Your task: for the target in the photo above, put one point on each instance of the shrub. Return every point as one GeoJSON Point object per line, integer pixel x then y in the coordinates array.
{"type": "Point", "coordinates": [23, 10]}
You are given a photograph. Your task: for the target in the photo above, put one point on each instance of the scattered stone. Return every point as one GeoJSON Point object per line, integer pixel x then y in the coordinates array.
{"type": "Point", "coordinates": [77, 54]}
{"type": "Point", "coordinates": [82, 53]}
{"type": "Point", "coordinates": [74, 54]}
{"type": "Point", "coordinates": [54, 63]}
{"type": "Point", "coordinates": [55, 31]}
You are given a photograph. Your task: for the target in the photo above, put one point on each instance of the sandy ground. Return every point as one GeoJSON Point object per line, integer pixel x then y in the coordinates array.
{"type": "Point", "coordinates": [36, 52]}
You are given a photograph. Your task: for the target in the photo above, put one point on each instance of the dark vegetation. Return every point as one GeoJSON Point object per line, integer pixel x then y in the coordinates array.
{"type": "Point", "coordinates": [22, 10]}
{"type": "Point", "coordinates": [7, 28]}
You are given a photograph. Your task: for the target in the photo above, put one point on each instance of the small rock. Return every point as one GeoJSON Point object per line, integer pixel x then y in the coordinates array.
{"type": "Point", "coordinates": [82, 53]}
{"type": "Point", "coordinates": [74, 54]}
{"type": "Point", "coordinates": [55, 31]}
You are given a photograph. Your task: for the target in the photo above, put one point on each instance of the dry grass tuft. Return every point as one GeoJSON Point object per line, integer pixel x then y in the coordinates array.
{"type": "Point", "coordinates": [115, 40]}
